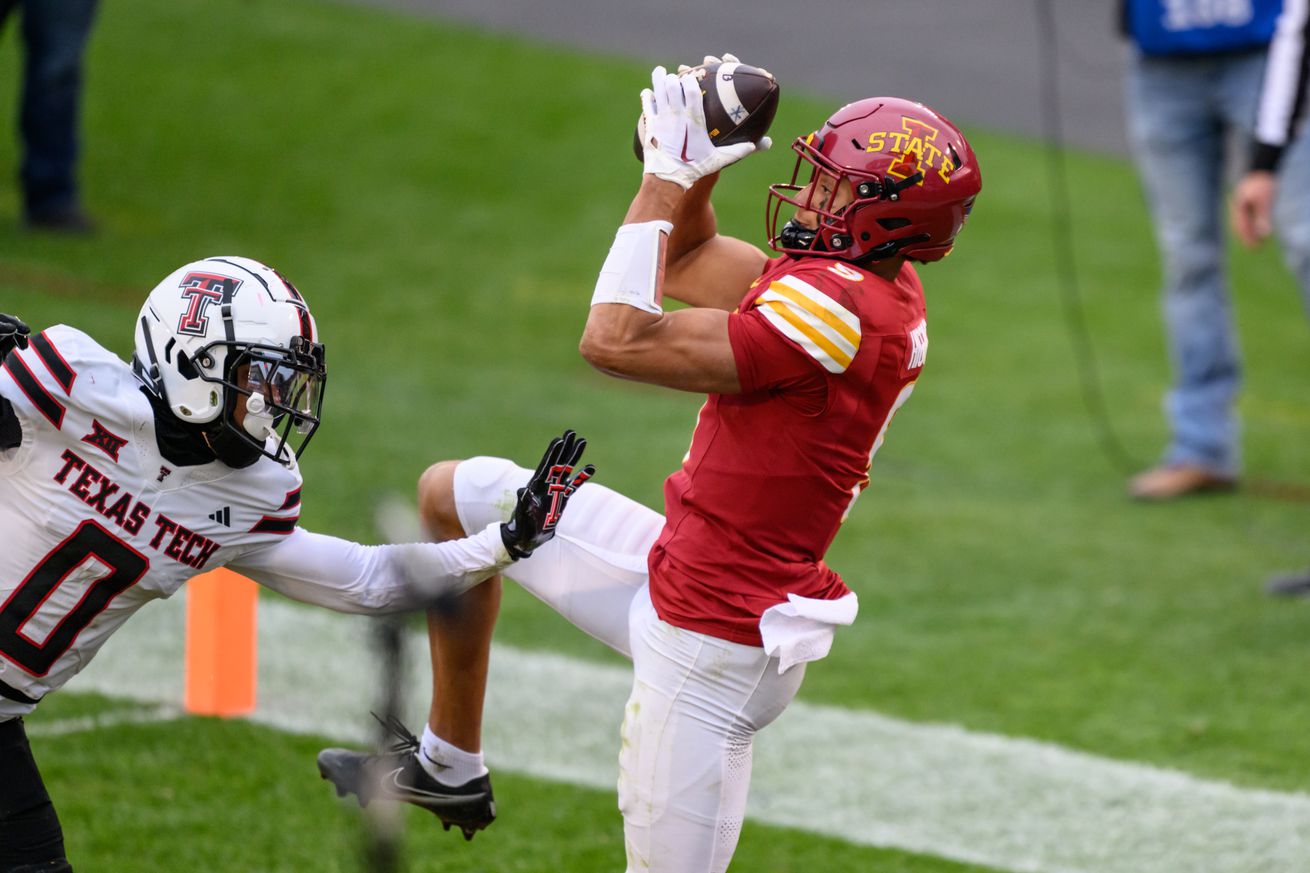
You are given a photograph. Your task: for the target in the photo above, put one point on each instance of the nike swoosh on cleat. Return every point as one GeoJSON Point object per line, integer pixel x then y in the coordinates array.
{"type": "Point", "coordinates": [410, 792]}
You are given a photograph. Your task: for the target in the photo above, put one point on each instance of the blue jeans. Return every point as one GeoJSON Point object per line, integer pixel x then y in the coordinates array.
{"type": "Point", "coordinates": [1184, 114]}
{"type": "Point", "coordinates": [54, 34]}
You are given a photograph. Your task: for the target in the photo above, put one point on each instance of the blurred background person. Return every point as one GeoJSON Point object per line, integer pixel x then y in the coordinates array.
{"type": "Point", "coordinates": [1197, 80]}
{"type": "Point", "coordinates": [1274, 192]}
{"type": "Point", "coordinates": [54, 37]}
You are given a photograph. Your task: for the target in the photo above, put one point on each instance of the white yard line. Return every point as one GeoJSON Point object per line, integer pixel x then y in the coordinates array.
{"type": "Point", "coordinates": [1007, 803]}
{"type": "Point", "coordinates": [83, 723]}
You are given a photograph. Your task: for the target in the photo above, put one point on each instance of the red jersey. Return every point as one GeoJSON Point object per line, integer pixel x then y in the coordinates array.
{"type": "Point", "coordinates": [826, 353]}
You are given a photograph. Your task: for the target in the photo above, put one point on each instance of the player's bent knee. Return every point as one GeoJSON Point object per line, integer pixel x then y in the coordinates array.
{"type": "Point", "coordinates": [484, 491]}
{"type": "Point", "coordinates": [436, 501]}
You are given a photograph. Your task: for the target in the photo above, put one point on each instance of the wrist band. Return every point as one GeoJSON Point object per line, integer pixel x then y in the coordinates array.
{"type": "Point", "coordinates": [633, 272]}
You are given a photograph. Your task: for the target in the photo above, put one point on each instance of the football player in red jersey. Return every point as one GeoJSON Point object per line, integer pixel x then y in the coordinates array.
{"type": "Point", "coordinates": [804, 357]}
{"type": "Point", "coordinates": [119, 482]}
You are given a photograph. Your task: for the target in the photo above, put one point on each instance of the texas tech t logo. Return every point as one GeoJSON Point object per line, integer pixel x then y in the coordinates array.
{"type": "Point", "coordinates": [201, 290]}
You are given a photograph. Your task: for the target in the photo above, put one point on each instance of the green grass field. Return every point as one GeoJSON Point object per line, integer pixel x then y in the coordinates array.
{"type": "Point", "coordinates": [444, 199]}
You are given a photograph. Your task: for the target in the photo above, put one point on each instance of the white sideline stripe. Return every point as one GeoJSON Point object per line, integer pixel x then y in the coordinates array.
{"type": "Point", "coordinates": [84, 723]}
{"type": "Point", "coordinates": [1011, 804]}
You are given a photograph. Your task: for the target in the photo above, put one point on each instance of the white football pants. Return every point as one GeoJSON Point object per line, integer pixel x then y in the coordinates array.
{"type": "Point", "coordinates": [697, 701]}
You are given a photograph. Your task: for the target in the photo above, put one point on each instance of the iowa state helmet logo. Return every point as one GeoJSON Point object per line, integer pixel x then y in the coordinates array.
{"type": "Point", "coordinates": [918, 150]}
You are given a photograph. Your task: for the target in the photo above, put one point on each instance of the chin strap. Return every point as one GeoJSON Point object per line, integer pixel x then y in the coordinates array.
{"type": "Point", "coordinates": [229, 447]}
{"type": "Point", "coordinates": [797, 236]}
{"type": "Point", "coordinates": [179, 443]}
{"type": "Point", "coordinates": [888, 249]}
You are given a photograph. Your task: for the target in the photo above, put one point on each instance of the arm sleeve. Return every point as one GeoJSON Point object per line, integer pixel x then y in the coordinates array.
{"type": "Point", "coordinates": [348, 577]}
{"type": "Point", "coordinates": [11, 430]}
{"type": "Point", "coordinates": [1282, 94]}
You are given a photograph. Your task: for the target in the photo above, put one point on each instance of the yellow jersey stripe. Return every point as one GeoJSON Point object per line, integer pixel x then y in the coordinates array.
{"type": "Point", "coordinates": [817, 326]}
{"type": "Point", "coordinates": [820, 313]}
{"type": "Point", "coordinates": [841, 319]}
{"type": "Point", "coordinates": [784, 317]}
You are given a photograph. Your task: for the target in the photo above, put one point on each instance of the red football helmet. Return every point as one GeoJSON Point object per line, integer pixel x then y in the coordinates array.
{"type": "Point", "coordinates": [912, 173]}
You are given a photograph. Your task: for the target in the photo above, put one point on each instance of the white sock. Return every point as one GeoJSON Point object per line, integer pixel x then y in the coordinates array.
{"type": "Point", "coordinates": [448, 764]}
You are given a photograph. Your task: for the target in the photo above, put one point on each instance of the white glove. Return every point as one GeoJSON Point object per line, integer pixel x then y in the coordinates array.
{"type": "Point", "coordinates": [709, 59]}
{"type": "Point", "coordinates": [675, 142]}
{"type": "Point", "coordinates": [714, 59]}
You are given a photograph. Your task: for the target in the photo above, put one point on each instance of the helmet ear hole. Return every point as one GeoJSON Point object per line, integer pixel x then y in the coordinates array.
{"type": "Point", "coordinates": [186, 367]}
{"type": "Point", "coordinates": [893, 223]}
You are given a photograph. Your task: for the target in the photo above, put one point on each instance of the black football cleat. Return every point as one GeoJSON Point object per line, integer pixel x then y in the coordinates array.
{"type": "Point", "coordinates": [397, 775]}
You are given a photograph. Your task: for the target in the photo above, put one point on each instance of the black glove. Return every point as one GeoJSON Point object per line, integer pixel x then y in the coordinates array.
{"type": "Point", "coordinates": [13, 334]}
{"type": "Point", "coordinates": [542, 502]}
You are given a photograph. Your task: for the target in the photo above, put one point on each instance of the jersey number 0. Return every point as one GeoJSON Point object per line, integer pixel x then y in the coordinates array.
{"type": "Point", "coordinates": [90, 541]}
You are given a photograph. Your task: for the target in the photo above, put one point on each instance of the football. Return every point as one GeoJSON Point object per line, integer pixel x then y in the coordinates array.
{"type": "Point", "coordinates": [740, 102]}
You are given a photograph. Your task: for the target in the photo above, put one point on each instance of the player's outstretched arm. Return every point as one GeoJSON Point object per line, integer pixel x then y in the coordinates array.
{"type": "Point", "coordinates": [348, 577]}
{"type": "Point", "coordinates": [703, 268]}
{"type": "Point", "coordinates": [628, 334]}
{"type": "Point", "coordinates": [669, 242]}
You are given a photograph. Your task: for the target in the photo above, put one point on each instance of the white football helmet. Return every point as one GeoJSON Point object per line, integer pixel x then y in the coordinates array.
{"type": "Point", "coordinates": [229, 342]}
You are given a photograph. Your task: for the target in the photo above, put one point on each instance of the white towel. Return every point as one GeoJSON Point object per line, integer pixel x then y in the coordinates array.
{"type": "Point", "coordinates": [802, 628]}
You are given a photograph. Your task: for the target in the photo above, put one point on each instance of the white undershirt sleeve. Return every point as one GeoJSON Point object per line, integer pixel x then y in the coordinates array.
{"type": "Point", "coordinates": [348, 577]}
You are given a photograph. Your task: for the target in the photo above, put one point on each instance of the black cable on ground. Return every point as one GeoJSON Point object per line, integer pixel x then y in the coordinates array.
{"type": "Point", "coordinates": [1066, 267]}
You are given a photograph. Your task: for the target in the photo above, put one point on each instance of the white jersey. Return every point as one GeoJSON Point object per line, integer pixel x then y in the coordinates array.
{"type": "Point", "coordinates": [96, 522]}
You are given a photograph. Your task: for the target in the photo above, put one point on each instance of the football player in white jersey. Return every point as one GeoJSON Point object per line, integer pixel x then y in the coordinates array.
{"type": "Point", "coordinates": [118, 483]}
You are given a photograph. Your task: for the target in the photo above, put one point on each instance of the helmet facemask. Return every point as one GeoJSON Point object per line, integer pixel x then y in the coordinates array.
{"type": "Point", "coordinates": [835, 236]}
{"type": "Point", "coordinates": [273, 395]}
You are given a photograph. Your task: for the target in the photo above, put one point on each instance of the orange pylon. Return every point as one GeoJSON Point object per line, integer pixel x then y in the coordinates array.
{"type": "Point", "coordinates": [220, 644]}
